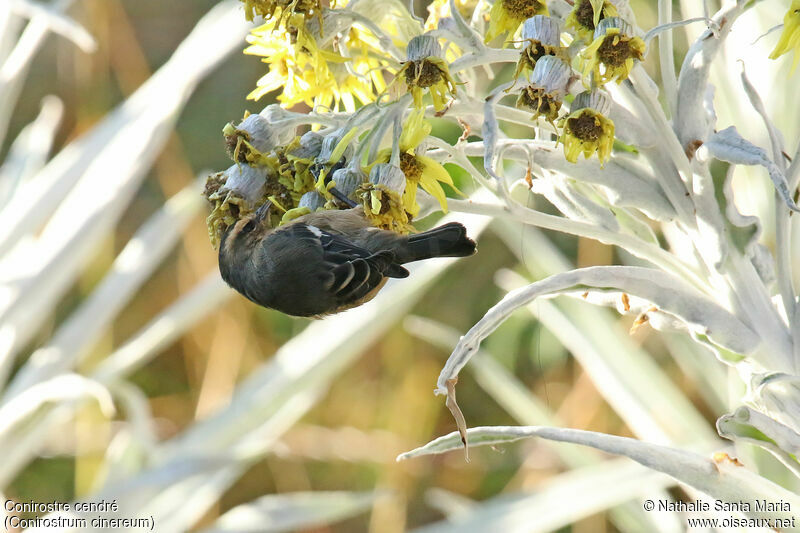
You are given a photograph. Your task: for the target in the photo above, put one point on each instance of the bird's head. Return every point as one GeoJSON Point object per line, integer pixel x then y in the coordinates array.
{"type": "Point", "coordinates": [242, 238]}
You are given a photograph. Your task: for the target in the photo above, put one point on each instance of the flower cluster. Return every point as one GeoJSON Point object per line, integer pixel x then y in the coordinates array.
{"type": "Point", "coordinates": [532, 85]}
{"type": "Point", "coordinates": [391, 74]}
{"type": "Point", "coordinates": [340, 58]}
{"type": "Point", "coordinates": [268, 165]}
{"type": "Point", "coordinates": [325, 169]}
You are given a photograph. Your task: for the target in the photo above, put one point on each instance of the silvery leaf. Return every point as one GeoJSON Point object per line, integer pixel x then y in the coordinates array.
{"type": "Point", "coordinates": [748, 425]}
{"type": "Point", "coordinates": [775, 136]}
{"type": "Point", "coordinates": [88, 184]}
{"type": "Point", "coordinates": [728, 145]}
{"type": "Point", "coordinates": [667, 293]}
{"type": "Point", "coordinates": [560, 501]}
{"type": "Point", "coordinates": [293, 511]}
{"type": "Point", "coordinates": [630, 129]}
{"type": "Point", "coordinates": [132, 267]}
{"type": "Point", "coordinates": [30, 150]}
{"type": "Point", "coordinates": [778, 395]}
{"type": "Point", "coordinates": [692, 120]}
{"type": "Point", "coordinates": [573, 204]}
{"type": "Point", "coordinates": [744, 233]}
{"type": "Point", "coordinates": [58, 389]}
{"type": "Point", "coordinates": [723, 480]}
{"type": "Point", "coordinates": [57, 22]}
{"type": "Point", "coordinates": [623, 186]}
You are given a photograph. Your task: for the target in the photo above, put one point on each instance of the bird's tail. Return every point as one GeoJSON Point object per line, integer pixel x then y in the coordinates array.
{"type": "Point", "coordinates": [449, 240]}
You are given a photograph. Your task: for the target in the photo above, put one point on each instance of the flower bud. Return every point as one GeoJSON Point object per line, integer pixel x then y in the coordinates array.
{"type": "Point", "coordinates": [329, 145]}
{"type": "Point", "coordinates": [246, 182]}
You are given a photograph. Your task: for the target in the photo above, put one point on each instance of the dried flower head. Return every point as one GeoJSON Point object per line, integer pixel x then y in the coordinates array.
{"type": "Point", "coordinates": [233, 194]}
{"type": "Point", "coordinates": [541, 36]}
{"type": "Point", "coordinates": [425, 69]}
{"type": "Point", "coordinates": [587, 14]}
{"type": "Point", "coordinates": [587, 129]}
{"type": "Point", "coordinates": [252, 138]}
{"type": "Point", "coordinates": [347, 180]}
{"type": "Point", "coordinates": [612, 54]}
{"type": "Point", "coordinates": [546, 89]}
{"type": "Point", "coordinates": [382, 198]}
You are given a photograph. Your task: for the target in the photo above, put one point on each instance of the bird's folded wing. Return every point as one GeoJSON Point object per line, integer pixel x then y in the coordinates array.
{"type": "Point", "coordinates": [355, 271]}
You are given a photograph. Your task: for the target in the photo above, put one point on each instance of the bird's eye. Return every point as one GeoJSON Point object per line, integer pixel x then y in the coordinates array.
{"type": "Point", "coordinates": [250, 226]}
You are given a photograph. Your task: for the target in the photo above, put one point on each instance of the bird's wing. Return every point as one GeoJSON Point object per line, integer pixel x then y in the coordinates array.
{"type": "Point", "coordinates": [353, 271]}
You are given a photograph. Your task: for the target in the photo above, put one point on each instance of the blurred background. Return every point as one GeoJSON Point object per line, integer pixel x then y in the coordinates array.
{"type": "Point", "coordinates": [379, 405]}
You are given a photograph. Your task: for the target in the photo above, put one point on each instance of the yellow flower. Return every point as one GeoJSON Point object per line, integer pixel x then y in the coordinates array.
{"type": "Point", "coordinates": [296, 64]}
{"type": "Point", "coordinates": [587, 14]}
{"type": "Point", "coordinates": [612, 54]}
{"type": "Point", "coordinates": [506, 16]}
{"type": "Point", "coordinates": [426, 70]}
{"type": "Point", "coordinates": [419, 170]}
{"type": "Point", "coordinates": [318, 77]}
{"type": "Point", "coordinates": [367, 58]}
{"type": "Point", "coordinates": [790, 37]}
{"type": "Point", "coordinates": [587, 130]}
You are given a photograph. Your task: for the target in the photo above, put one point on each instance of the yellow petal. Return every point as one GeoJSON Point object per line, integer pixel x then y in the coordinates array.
{"type": "Point", "coordinates": [383, 156]}
{"type": "Point", "coordinates": [597, 9]}
{"type": "Point", "coordinates": [336, 155]}
{"type": "Point", "coordinates": [415, 129]}
{"type": "Point", "coordinates": [432, 187]}
{"type": "Point", "coordinates": [416, 93]}
{"type": "Point", "coordinates": [437, 170]}
{"type": "Point", "coordinates": [410, 198]}
{"type": "Point", "coordinates": [433, 168]}
{"type": "Point", "coordinates": [790, 36]}
{"type": "Point", "coordinates": [375, 204]}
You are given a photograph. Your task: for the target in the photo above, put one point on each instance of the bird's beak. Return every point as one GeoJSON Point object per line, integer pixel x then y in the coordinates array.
{"type": "Point", "coordinates": [262, 212]}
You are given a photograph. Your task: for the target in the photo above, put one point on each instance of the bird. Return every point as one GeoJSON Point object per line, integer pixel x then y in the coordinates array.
{"type": "Point", "coordinates": [325, 262]}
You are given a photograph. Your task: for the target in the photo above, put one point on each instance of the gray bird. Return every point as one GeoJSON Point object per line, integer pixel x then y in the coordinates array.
{"type": "Point", "coordinates": [325, 262]}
